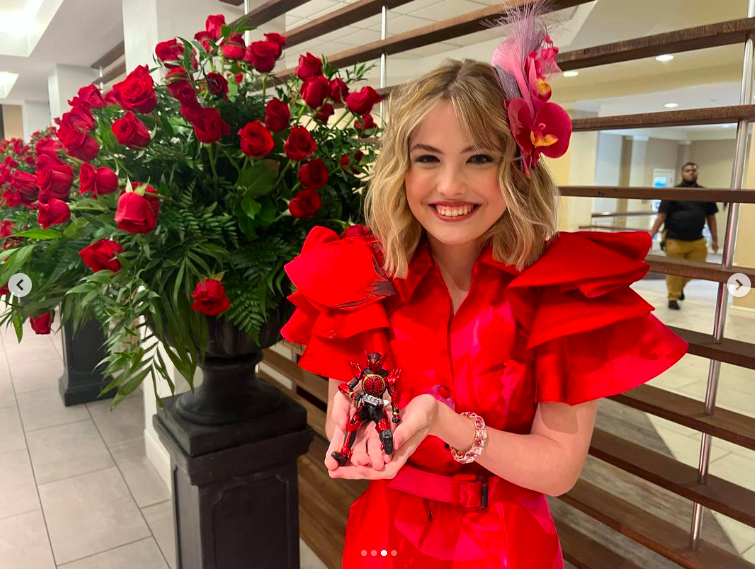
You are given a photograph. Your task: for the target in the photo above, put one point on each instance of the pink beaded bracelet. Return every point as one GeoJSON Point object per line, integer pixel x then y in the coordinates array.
{"type": "Point", "coordinates": [480, 438]}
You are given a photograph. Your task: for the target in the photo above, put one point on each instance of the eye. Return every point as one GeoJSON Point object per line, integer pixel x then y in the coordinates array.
{"type": "Point", "coordinates": [421, 159]}
{"type": "Point", "coordinates": [485, 159]}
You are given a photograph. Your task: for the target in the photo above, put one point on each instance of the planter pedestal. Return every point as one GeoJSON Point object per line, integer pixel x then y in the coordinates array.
{"type": "Point", "coordinates": [235, 487]}
{"type": "Point", "coordinates": [82, 380]}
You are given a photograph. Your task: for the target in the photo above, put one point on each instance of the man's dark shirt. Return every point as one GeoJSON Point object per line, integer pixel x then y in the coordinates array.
{"type": "Point", "coordinates": [685, 220]}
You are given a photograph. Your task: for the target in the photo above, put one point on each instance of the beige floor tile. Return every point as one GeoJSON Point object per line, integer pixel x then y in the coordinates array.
{"type": "Point", "coordinates": [31, 349]}
{"type": "Point", "coordinates": [661, 423]}
{"type": "Point", "coordinates": [44, 408]}
{"type": "Point", "coordinates": [67, 450]}
{"type": "Point", "coordinates": [145, 483]}
{"type": "Point", "coordinates": [742, 536]}
{"type": "Point", "coordinates": [33, 375]}
{"type": "Point", "coordinates": [143, 554]}
{"type": "Point", "coordinates": [736, 449]}
{"type": "Point", "coordinates": [726, 398]}
{"type": "Point", "coordinates": [160, 520]}
{"type": "Point", "coordinates": [7, 397]}
{"type": "Point", "coordinates": [18, 490]}
{"type": "Point", "coordinates": [687, 449]}
{"type": "Point", "coordinates": [308, 559]}
{"type": "Point", "coordinates": [11, 433]}
{"type": "Point", "coordinates": [24, 543]}
{"type": "Point", "coordinates": [105, 515]}
{"type": "Point", "coordinates": [122, 425]}
{"type": "Point", "coordinates": [749, 555]}
{"type": "Point", "coordinates": [736, 469]}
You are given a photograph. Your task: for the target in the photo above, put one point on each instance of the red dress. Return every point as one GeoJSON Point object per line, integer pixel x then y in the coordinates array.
{"type": "Point", "coordinates": [569, 328]}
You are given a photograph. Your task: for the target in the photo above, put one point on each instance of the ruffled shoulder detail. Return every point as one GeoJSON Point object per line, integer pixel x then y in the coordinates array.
{"type": "Point", "coordinates": [339, 309]}
{"type": "Point", "coordinates": [591, 334]}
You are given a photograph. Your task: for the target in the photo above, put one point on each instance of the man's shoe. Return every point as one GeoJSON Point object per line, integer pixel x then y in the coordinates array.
{"type": "Point", "coordinates": [681, 297]}
{"type": "Point", "coordinates": [673, 305]}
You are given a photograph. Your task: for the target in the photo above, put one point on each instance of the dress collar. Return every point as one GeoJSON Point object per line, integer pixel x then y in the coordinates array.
{"type": "Point", "coordinates": [423, 262]}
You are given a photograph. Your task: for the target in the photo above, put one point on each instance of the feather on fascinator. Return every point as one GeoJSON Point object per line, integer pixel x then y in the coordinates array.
{"type": "Point", "coordinates": [523, 63]}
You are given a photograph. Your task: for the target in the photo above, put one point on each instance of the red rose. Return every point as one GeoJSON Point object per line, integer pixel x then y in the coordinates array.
{"type": "Point", "coordinates": [100, 255]}
{"type": "Point", "coordinates": [179, 86]}
{"type": "Point", "coordinates": [217, 85]}
{"type": "Point", "coordinates": [234, 47]}
{"type": "Point", "coordinates": [47, 159]}
{"type": "Point", "coordinates": [325, 112]}
{"type": "Point", "coordinates": [23, 181]}
{"type": "Point", "coordinates": [262, 55]}
{"type": "Point", "coordinates": [42, 324]}
{"type": "Point", "coordinates": [53, 212]}
{"type": "Point", "coordinates": [278, 40]}
{"type": "Point", "coordinates": [131, 132]}
{"type": "Point", "coordinates": [100, 181]}
{"type": "Point", "coordinates": [48, 146]}
{"type": "Point", "coordinates": [277, 115]}
{"type": "Point", "coordinates": [111, 98]}
{"type": "Point", "coordinates": [309, 66]}
{"type": "Point", "coordinates": [208, 126]}
{"type": "Point", "coordinates": [256, 140]}
{"type": "Point", "coordinates": [190, 109]}
{"type": "Point", "coordinates": [305, 204]}
{"type": "Point", "coordinates": [79, 145]}
{"type": "Point", "coordinates": [7, 228]}
{"type": "Point", "coordinates": [239, 77]}
{"type": "Point", "coordinates": [137, 213]}
{"type": "Point", "coordinates": [361, 102]}
{"type": "Point", "coordinates": [171, 52]}
{"type": "Point", "coordinates": [137, 93]}
{"type": "Point", "coordinates": [366, 123]}
{"type": "Point", "coordinates": [314, 174]}
{"type": "Point", "coordinates": [214, 25]}
{"type": "Point", "coordinates": [210, 298]}
{"type": "Point", "coordinates": [80, 118]}
{"type": "Point", "coordinates": [338, 90]}
{"type": "Point", "coordinates": [55, 180]}
{"type": "Point", "coordinates": [89, 96]}
{"type": "Point", "coordinates": [299, 144]}
{"type": "Point", "coordinates": [314, 91]}
{"type": "Point", "coordinates": [204, 38]}
{"type": "Point", "coordinates": [11, 198]}
{"type": "Point", "coordinates": [358, 231]}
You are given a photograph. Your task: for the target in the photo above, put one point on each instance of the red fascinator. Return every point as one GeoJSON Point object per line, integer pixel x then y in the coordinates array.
{"type": "Point", "coordinates": [523, 63]}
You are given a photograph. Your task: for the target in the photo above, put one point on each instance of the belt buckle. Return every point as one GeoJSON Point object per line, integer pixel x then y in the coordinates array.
{"type": "Point", "coordinates": [459, 480]}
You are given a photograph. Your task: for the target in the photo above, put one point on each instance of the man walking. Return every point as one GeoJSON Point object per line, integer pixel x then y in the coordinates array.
{"type": "Point", "coordinates": [683, 231]}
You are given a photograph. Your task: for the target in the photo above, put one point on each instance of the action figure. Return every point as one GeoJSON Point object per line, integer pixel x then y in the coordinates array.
{"type": "Point", "coordinates": [375, 380]}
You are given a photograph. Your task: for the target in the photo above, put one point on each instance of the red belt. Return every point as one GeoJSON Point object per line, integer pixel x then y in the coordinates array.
{"type": "Point", "coordinates": [467, 491]}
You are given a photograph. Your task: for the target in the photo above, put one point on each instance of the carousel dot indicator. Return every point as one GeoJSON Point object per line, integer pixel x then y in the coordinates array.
{"type": "Point", "coordinates": [394, 553]}
{"type": "Point", "coordinates": [364, 553]}
{"type": "Point", "coordinates": [384, 553]}
{"type": "Point", "coordinates": [374, 553]}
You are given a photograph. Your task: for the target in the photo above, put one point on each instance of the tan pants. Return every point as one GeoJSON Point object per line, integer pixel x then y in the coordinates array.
{"type": "Point", "coordinates": [692, 250]}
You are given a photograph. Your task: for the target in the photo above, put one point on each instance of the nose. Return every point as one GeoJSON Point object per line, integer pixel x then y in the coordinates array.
{"type": "Point", "coordinates": [451, 182]}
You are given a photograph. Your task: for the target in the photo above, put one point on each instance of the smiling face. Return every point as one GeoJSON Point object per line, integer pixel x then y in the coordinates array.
{"type": "Point", "coordinates": [452, 188]}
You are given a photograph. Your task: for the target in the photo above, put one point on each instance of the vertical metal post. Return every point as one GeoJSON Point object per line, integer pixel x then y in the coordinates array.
{"type": "Point", "coordinates": [248, 33]}
{"type": "Point", "coordinates": [383, 59]}
{"type": "Point", "coordinates": [722, 299]}
{"type": "Point", "coordinates": [102, 85]}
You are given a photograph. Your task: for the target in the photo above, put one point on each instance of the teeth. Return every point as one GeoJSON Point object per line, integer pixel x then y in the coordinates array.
{"type": "Point", "coordinates": [454, 211]}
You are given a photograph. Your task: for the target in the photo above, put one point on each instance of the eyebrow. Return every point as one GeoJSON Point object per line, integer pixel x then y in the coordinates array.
{"type": "Point", "coordinates": [438, 151]}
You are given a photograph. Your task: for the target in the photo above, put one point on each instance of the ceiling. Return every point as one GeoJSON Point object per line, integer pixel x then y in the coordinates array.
{"type": "Point", "coordinates": [695, 79]}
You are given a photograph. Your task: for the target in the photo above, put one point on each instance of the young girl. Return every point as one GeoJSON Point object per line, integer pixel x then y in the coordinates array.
{"type": "Point", "coordinates": [505, 332]}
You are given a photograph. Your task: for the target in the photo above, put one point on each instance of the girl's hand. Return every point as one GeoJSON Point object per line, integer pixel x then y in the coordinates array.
{"type": "Point", "coordinates": [417, 420]}
{"type": "Point", "coordinates": [366, 449]}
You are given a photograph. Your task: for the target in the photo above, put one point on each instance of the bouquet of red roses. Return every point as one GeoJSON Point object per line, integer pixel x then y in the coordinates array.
{"type": "Point", "coordinates": [184, 197]}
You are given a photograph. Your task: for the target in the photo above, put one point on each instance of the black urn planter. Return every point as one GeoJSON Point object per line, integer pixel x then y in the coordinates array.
{"type": "Point", "coordinates": [233, 444]}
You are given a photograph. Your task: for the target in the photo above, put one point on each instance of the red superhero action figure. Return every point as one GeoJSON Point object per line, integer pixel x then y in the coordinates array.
{"type": "Point", "coordinates": [369, 402]}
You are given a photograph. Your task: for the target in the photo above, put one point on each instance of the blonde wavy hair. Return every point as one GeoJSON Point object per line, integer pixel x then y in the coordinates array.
{"type": "Point", "coordinates": [530, 219]}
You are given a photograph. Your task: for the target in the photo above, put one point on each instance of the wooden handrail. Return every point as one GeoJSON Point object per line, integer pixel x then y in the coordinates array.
{"type": "Point", "coordinates": [729, 351]}
{"type": "Point", "coordinates": [712, 115]}
{"type": "Point", "coordinates": [677, 41]}
{"type": "Point", "coordinates": [611, 228]}
{"type": "Point", "coordinates": [312, 383]}
{"type": "Point", "coordinates": [114, 73]}
{"type": "Point", "coordinates": [110, 57]}
{"type": "Point", "coordinates": [717, 494]}
{"type": "Point", "coordinates": [462, 25]}
{"type": "Point", "coordinates": [338, 19]}
{"type": "Point", "coordinates": [268, 11]}
{"type": "Point", "coordinates": [724, 424]}
{"type": "Point", "coordinates": [695, 269]}
{"type": "Point", "coordinates": [665, 538]}
{"type": "Point", "coordinates": [622, 213]}
{"type": "Point", "coordinates": [676, 194]}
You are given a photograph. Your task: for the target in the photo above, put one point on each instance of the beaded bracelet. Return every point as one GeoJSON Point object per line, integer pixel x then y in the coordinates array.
{"type": "Point", "coordinates": [480, 438]}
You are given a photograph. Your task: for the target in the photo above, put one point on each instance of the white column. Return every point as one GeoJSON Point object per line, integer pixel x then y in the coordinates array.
{"type": "Point", "coordinates": [36, 116]}
{"type": "Point", "coordinates": [63, 82]}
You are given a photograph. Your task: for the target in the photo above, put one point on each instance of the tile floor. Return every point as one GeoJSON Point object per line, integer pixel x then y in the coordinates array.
{"type": "Point", "coordinates": [77, 491]}
{"type": "Point", "coordinates": [76, 488]}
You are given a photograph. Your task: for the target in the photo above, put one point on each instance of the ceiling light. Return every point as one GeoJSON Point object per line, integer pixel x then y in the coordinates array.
{"type": "Point", "coordinates": [571, 73]}
{"type": "Point", "coordinates": [666, 57]}
{"type": "Point", "coordinates": [671, 105]}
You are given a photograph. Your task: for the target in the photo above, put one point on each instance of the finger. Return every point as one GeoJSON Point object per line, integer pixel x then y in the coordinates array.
{"type": "Point", "coordinates": [359, 449]}
{"type": "Point", "coordinates": [374, 450]}
{"type": "Point", "coordinates": [341, 410]}
{"type": "Point", "coordinates": [336, 442]}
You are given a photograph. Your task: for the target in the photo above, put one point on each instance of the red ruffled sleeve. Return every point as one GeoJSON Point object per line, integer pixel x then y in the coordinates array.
{"type": "Point", "coordinates": [591, 335]}
{"type": "Point", "coordinates": [339, 310]}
